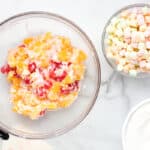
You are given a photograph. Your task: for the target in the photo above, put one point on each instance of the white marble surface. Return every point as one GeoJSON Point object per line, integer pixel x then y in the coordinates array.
{"type": "Point", "coordinates": [102, 128]}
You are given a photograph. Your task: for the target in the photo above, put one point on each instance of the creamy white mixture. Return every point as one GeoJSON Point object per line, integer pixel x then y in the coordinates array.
{"type": "Point", "coordinates": [137, 133]}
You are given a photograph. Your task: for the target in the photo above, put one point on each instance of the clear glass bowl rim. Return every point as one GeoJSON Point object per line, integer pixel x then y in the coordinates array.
{"type": "Point", "coordinates": [69, 127]}
{"type": "Point", "coordinates": [104, 33]}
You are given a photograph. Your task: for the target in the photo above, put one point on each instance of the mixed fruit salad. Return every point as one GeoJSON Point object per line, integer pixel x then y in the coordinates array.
{"type": "Point", "coordinates": [44, 72]}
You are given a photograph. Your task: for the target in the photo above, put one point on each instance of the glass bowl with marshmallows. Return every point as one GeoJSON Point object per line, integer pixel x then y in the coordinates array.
{"type": "Point", "coordinates": [126, 41]}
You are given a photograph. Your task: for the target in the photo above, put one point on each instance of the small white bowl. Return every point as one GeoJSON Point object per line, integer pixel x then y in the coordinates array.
{"type": "Point", "coordinates": [129, 117]}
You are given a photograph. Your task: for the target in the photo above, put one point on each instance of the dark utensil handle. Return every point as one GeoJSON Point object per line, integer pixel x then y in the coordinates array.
{"type": "Point", "coordinates": [4, 135]}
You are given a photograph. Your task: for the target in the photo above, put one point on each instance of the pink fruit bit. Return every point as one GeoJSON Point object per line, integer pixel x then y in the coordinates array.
{"type": "Point", "coordinates": [127, 33]}
{"type": "Point", "coordinates": [138, 37]}
{"type": "Point", "coordinates": [140, 19]}
{"type": "Point", "coordinates": [41, 92]}
{"type": "Point", "coordinates": [127, 40]}
{"type": "Point", "coordinates": [148, 45]}
{"type": "Point", "coordinates": [142, 64]}
{"type": "Point", "coordinates": [134, 45]}
{"type": "Point", "coordinates": [147, 33]}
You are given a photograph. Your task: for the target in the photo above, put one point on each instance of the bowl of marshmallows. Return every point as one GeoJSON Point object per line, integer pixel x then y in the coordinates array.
{"type": "Point", "coordinates": [126, 41]}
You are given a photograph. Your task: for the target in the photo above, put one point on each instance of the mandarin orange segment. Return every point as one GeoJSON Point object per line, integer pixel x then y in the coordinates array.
{"type": "Point", "coordinates": [52, 105]}
{"type": "Point", "coordinates": [81, 57]}
{"type": "Point", "coordinates": [67, 80]}
{"type": "Point", "coordinates": [28, 41]}
{"type": "Point", "coordinates": [64, 55]}
{"type": "Point", "coordinates": [78, 71]}
{"type": "Point", "coordinates": [56, 87]}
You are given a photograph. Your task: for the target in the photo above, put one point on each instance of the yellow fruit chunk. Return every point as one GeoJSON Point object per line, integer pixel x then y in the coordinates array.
{"type": "Point", "coordinates": [67, 80]}
{"type": "Point", "coordinates": [17, 98]}
{"type": "Point", "coordinates": [27, 41]}
{"type": "Point", "coordinates": [11, 61]}
{"type": "Point", "coordinates": [66, 44]}
{"type": "Point", "coordinates": [16, 81]}
{"type": "Point", "coordinates": [44, 63]}
{"type": "Point", "coordinates": [67, 100]}
{"type": "Point", "coordinates": [64, 55]}
{"type": "Point", "coordinates": [81, 57]}
{"type": "Point", "coordinates": [79, 70]}
{"type": "Point", "coordinates": [52, 105]}
{"type": "Point", "coordinates": [10, 76]}
{"type": "Point", "coordinates": [37, 43]}
{"type": "Point", "coordinates": [52, 96]}
{"type": "Point", "coordinates": [47, 36]}
{"type": "Point", "coordinates": [56, 87]}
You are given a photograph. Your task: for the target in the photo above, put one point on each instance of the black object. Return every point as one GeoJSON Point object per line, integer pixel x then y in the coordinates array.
{"type": "Point", "coordinates": [4, 135]}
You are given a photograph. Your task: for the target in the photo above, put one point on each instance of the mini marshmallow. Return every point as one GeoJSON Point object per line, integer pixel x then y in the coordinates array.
{"type": "Point", "coordinates": [141, 46]}
{"type": "Point", "coordinates": [145, 10]}
{"type": "Point", "coordinates": [148, 65]}
{"type": "Point", "coordinates": [142, 52]}
{"type": "Point", "coordinates": [147, 33]}
{"type": "Point", "coordinates": [133, 73]}
{"type": "Point", "coordinates": [122, 53]}
{"type": "Point", "coordinates": [142, 64]}
{"type": "Point", "coordinates": [119, 67]}
{"type": "Point", "coordinates": [119, 33]}
{"type": "Point", "coordinates": [133, 23]}
{"type": "Point", "coordinates": [122, 61]}
{"type": "Point", "coordinates": [114, 20]}
{"type": "Point", "coordinates": [129, 48]}
{"type": "Point", "coordinates": [110, 29]}
{"type": "Point", "coordinates": [140, 19]}
{"type": "Point", "coordinates": [133, 55]}
{"type": "Point", "coordinates": [137, 37]}
{"type": "Point", "coordinates": [134, 45]}
{"type": "Point", "coordinates": [127, 32]}
{"type": "Point", "coordinates": [143, 28]}
{"type": "Point", "coordinates": [148, 45]}
{"type": "Point", "coordinates": [110, 55]}
{"type": "Point", "coordinates": [147, 19]}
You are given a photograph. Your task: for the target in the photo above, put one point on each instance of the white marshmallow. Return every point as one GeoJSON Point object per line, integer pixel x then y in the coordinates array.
{"type": "Point", "coordinates": [133, 73]}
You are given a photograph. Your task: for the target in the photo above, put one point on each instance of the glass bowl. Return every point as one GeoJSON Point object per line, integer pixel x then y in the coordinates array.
{"type": "Point", "coordinates": [135, 111]}
{"type": "Point", "coordinates": [104, 45]}
{"type": "Point", "coordinates": [12, 32]}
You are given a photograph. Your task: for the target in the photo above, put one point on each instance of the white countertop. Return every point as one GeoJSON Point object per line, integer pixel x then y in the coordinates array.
{"type": "Point", "coordinates": [102, 128]}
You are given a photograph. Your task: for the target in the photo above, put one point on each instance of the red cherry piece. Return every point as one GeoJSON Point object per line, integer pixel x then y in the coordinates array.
{"type": "Point", "coordinates": [42, 113]}
{"type": "Point", "coordinates": [55, 65]}
{"type": "Point", "coordinates": [58, 78]}
{"type": "Point", "coordinates": [70, 88]}
{"type": "Point", "coordinates": [61, 77]}
{"type": "Point", "coordinates": [32, 67]}
{"type": "Point", "coordinates": [41, 92]}
{"type": "Point", "coordinates": [15, 73]}
{"type": "Point", "coordinates": [27, 80]}
{"type": "Point", "coordinates": [5, 69]}
{"type": "Point", "coordinates": [69, 63]}
{"type": "Point", "coordinates": [48, 85]}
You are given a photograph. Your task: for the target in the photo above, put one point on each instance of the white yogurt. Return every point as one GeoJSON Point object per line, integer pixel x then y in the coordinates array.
{"type": "Point", "coordinates": [136, 130]}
